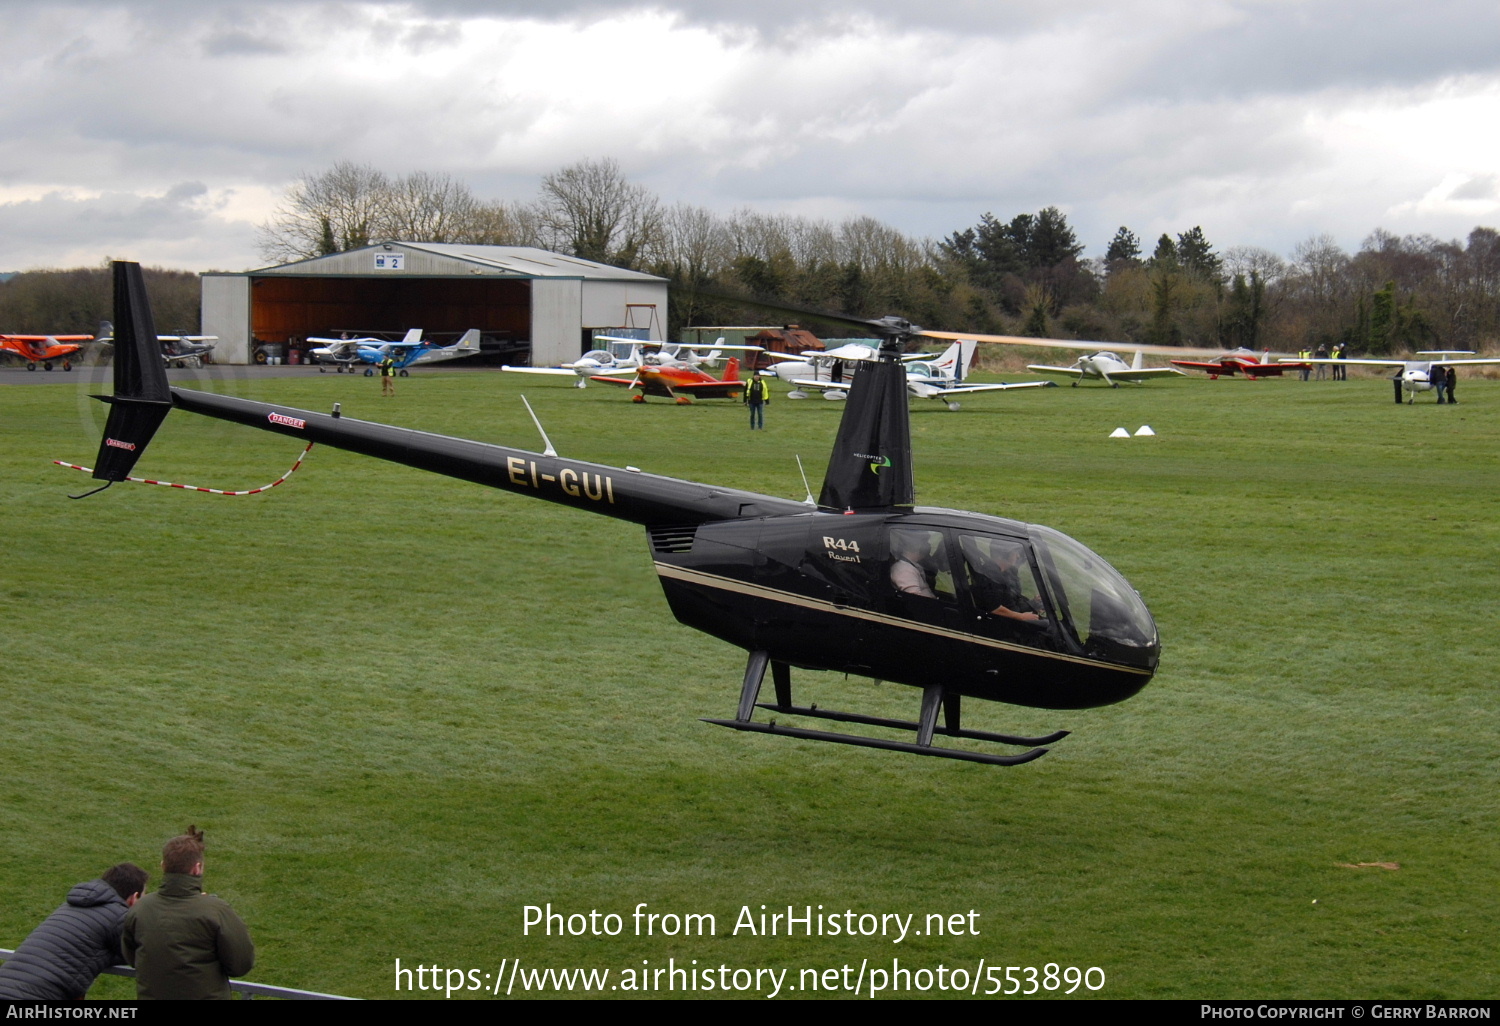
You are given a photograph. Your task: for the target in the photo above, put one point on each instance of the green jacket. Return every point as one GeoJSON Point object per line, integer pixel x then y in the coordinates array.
{"type": "Point", "coordinates": [184, 944]}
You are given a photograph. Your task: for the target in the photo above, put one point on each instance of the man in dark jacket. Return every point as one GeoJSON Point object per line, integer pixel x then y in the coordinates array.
{"type": "Point", "coordinates": [184, 944]}
{"type": "Point", "coordinates": [61, 958]}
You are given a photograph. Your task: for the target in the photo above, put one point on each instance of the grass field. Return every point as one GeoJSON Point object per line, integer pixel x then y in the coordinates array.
{"type": "Point", "coordinates": [404, 707]}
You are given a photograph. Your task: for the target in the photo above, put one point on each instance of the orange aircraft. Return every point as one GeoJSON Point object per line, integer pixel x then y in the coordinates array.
{"type": "Point", "coordinates": [679, 382]}
{"type": "Point", "coordinates": [43, 349]}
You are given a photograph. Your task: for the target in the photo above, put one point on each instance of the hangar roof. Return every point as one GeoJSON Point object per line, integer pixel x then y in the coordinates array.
{"type": "Point", "coordinates": [425, 259]}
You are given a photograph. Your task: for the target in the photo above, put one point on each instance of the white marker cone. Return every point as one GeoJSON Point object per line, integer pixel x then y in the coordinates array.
{"type": "Point", "coordinates": [1119, 432]}
{"type": "Point", "coordinates": [1144, 430]}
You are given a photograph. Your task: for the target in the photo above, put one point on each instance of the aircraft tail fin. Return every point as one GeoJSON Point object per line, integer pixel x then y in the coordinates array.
{"type": "Point", "coordinates": [469, 341]}
{"type": "Point", "coordinates": [413, 335]}
{"type": "Point", "coordinates": [967, 348]}
{"type": "Point", "coordinates": [142, 396]}
{"type": "Point", "coordinates": [732, 370]}
{"type": "Point", "coordinates": [1139, 363]}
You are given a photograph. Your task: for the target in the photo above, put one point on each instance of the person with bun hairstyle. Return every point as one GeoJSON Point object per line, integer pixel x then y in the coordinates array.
{"type": "Point", "coordinates": [184, 944]}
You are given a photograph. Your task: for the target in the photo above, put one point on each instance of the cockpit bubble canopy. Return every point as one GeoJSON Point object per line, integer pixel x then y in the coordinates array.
{"type": "Point", "coordinates": [1107, 615]}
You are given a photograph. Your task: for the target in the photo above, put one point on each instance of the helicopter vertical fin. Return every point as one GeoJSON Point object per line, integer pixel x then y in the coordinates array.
{"type": "Point", "coordinates": [871, 463]}
{"type": "Point", "coordinates": [142, 396]}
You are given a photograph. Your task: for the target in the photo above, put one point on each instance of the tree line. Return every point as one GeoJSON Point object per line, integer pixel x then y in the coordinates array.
{"type": "Point", "coordinates": [73, 302]}
{"type": "Point", "coordinates": [1027, 275]}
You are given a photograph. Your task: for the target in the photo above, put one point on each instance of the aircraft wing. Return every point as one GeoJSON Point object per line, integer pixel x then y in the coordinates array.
{"type": "Point", "coordinates": [708, 389]}
{"type": "Point", "coordinates": [46, 338]}
{"type": "Point", "coordinates": [928, 392]}
{"type": "Point", "coordinates": [1294, 363]}
{"type": "Point", "coordinates": [540, 370]}
{"type": "Point", "coordinates": [1274, 370]}
{"type": "Point", "coordinates": [1072, 372]}
{"type": "Point", "coordinates": [1453, 363]}
{"type": "Point", "coordinates": [606, 379]}
{"type": "Point", "coordinates": [821, 386]}
{"type": "Point", "coordinates": [1216, 367]}
{"type": "Point", "coordinates": [1136, 373]}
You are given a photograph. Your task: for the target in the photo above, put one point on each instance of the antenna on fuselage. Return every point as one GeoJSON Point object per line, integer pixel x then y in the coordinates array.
{"type": "Point", "coordinates": [549, 451]}
{"type": "Point", "coordinates": [807, 487]}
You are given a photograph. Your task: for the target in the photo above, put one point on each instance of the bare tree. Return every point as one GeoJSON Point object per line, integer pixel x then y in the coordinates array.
{"type": "Point", "coordinates": [592, 210]}
{"type": "Point", "coordinates": [342, 208]}
{"type": "Point", "coordinates": [428, 207]}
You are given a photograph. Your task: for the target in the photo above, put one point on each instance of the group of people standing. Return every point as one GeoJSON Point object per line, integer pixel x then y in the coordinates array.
{"type": "Point", "coordinates": [184, 944]}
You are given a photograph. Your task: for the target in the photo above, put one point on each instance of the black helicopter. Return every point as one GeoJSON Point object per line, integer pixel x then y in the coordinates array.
{"type": "Point", "coordinates": [864, 582]}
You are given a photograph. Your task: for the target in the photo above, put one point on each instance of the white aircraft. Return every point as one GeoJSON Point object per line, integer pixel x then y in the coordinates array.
{"type": "Point", "coordinates": [1108, 367]}
{"type": "Point", "coordinates": [626, 355]}
{"type": "Point", "coordinates": [178, 350]}
{"type": "Point", "coordinates": [939, 378]}
{"type": "Point", "coordinates": [1412, 376]}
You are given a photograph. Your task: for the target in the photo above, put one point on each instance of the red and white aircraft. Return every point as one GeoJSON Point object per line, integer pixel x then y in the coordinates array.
{"type": "Point", "coordinates": [43, 349]}
{"type": "Point", "coordinates": [1244, 361]}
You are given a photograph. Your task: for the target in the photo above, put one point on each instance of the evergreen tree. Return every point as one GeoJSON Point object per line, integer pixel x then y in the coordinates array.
{"type": "Point", "coordinates": [1198, 258]}
{"type": "Point", "coordinates": [1123, 248]}
{"type": "Point", "coordinates": [1165, 257]}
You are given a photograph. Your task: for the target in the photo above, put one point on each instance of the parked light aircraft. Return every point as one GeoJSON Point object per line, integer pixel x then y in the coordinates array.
{"type": "Point", "coordinates": [349, 352]}
{"type": "Point", "coordinates": [674, 381]}
{"type": "Point", "coordinates": [177, 350]}
{"type": "Point", "coordinates": [1108, 367]}
{"type": "Point", "coordinates": [859, 581]}
{"type": "Point", "coordinates": [1413, 376]}
{"type": "Point", "coordinates": [624, 355]}
{"type": "Point", "coordinates": [939, 378]}
{"type": "Point", "coordinates": [1244, 361]}
{"type": "Point", "coordinates": [43, 349]}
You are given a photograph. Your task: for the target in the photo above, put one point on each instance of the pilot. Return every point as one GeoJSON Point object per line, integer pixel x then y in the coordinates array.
{"type": "Point", "coordinates": [907, 572]}
{"type": "Point", "coordinates": [997, 587]}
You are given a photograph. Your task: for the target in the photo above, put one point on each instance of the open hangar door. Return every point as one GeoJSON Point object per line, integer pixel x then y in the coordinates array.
{"type": "Point", "coordinates": [285, 310]}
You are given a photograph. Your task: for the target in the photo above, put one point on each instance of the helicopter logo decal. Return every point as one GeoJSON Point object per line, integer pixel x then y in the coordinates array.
{"type": "Point", "coordinates": [877, 463]}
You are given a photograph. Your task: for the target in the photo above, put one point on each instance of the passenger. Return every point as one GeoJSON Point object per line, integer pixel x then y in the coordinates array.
{"type": "Point", "coordinates": [908, 573]}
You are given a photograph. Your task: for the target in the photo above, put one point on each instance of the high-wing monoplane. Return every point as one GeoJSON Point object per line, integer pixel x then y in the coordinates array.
{"type": "Point", "coordinates": [354, 352]}
{"type": "Point", "coordinates": [927, 377]}
{"type": "Point", "coordinates": [1413, 376]}
{"type": "Point", "coordinates": [1107, 367]}
{"type": "Point", "coordinates": [43, 349]}
{"type": "Point", "coordinates": [859, 581]}
{"type": "Point", "coordinates": [186, 350]}
{"type": "Point", "coordinates": [176, 350]}
{"type": "Point", "coordinates": [1243, 361]}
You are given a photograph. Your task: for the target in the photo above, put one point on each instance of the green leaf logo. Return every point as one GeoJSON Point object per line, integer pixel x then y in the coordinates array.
{"type": "Point", "coordinates": [877, 466]}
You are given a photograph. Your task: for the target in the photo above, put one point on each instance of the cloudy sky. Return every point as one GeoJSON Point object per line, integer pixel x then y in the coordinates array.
{"type": "Point", "coordinates": [166, 130]}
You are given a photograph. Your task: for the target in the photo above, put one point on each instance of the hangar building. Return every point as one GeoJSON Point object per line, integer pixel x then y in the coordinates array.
{"type": "Point", "coordinates": [513, 294]}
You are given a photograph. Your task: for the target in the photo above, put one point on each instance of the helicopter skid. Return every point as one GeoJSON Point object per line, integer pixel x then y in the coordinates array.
{"type": "Point", "coordinates": [880, 721]}
{"type": "Point", "coordinates": [876, 742]}
{"type": "Point", "coordinates": [934, 699]}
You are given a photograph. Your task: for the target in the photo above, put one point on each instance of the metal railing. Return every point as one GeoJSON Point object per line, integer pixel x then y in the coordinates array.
{"type": "Point", "coordinates": [243, 988]}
